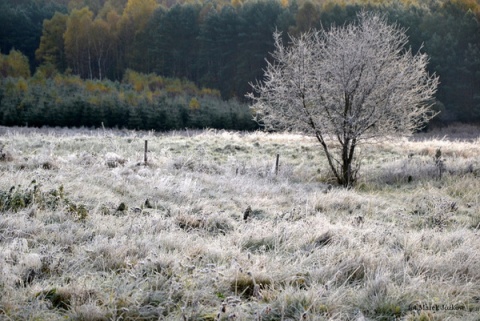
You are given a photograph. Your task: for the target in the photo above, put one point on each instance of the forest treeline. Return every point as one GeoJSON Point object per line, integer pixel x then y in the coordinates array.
{"type": "Point", "coordinates": [148, 63]}
{"type": "Point", "coordinates": [145, 102]}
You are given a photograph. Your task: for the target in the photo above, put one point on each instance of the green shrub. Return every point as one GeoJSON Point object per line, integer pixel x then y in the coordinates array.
{"type": "Point", "coordinates": [18, 198]}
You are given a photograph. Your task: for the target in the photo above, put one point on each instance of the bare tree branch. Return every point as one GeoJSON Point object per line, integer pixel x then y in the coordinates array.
{"type": "Point", "coordinates": [353, 82]}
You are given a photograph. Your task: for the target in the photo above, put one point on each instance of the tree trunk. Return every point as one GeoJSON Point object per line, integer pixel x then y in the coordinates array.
{"type": "Point", "coordinates": [345, 164]}
{"type": "Point", "coordinates": [349, 176]}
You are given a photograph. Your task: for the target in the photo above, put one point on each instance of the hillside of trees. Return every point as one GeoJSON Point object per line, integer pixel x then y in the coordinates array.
{"type": "Point", "coordinates": [163, 64]}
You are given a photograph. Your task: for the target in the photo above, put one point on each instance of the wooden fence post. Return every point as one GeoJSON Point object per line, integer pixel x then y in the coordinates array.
{"type": "Point", "coordinates": [276, 164]}
{"type": "Point", "coordinates": [146, 150]}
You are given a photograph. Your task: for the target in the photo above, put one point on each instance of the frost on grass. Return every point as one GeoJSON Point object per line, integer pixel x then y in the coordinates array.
{"type": "Point", "coordinates": [101, 236]}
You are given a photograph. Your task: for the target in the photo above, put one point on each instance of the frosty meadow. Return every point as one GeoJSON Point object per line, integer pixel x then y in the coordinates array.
{"type": "Point", "coordinates": [88, 232]}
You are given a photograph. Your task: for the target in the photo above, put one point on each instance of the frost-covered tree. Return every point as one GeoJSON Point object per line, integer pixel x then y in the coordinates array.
{"type": "Point", "coordinates": [346, 85]}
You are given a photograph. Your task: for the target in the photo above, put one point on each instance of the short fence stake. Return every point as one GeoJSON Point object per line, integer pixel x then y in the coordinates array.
{"type": "Point", "coordinates": [276, 164]}
{"type": "Point", "coordinates": [146, 150]}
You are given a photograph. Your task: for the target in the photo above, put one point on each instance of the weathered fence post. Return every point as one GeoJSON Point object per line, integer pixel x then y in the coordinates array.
{"type": "Point", "coordinates": [276, 164]}
{"type": "Point", "coordinates": [145, 154]}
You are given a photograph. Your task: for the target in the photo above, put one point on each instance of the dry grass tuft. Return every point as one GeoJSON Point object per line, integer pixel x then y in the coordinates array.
{"type": "Point", "coordinates": [113, 160]}
{"type": "Point", "coordinates": [248, 285]}
{"type": "Point", "coordinates": [5, 155]}
{"type": "Point", "coordinates": [190, 222]}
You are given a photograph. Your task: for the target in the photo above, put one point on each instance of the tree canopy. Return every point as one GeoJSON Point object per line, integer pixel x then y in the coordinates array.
{"type": "Point", "coordinates": [221, 44]}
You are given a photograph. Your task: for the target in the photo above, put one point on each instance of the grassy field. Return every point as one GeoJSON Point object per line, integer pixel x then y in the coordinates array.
{"type": "Point", "coordinates": [89, 232]}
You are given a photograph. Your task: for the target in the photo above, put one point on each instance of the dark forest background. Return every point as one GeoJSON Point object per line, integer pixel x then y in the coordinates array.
{"type": "Point", "coordinates": [169, 64]}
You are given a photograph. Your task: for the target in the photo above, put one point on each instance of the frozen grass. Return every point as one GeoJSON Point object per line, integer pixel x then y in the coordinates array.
{"type": "Point", "coordinates": [88, 232]}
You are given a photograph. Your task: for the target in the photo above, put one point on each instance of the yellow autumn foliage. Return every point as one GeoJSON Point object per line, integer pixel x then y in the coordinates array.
{"type": "Point", "coordinates": [194, 104]}
{"type": "Point", "coordinates": [22, 85]}
{"type": "Point", "coordinates": [15, 64]}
